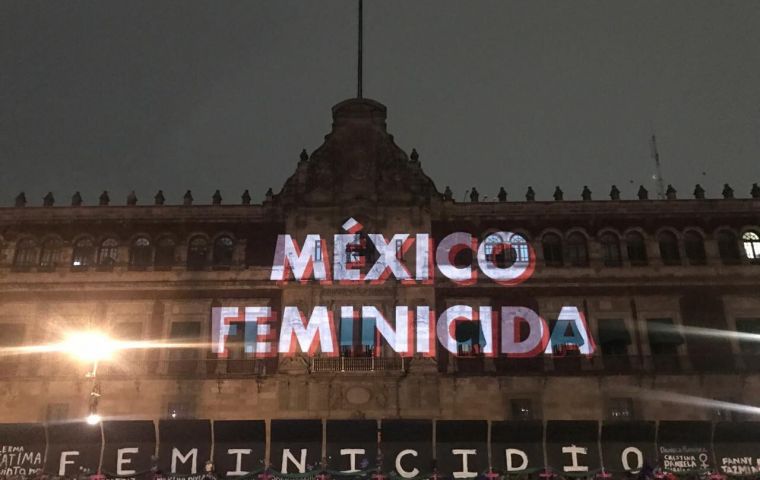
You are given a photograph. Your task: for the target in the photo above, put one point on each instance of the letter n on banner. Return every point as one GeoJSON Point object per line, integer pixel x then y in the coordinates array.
{"type": "Point", "coordinates": [407, 447]}
{"type": "Point", "coordinates": [296, 445]}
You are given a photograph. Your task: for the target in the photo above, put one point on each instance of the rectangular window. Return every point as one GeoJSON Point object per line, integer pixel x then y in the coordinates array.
{"type": "Point", "coordinates": [184, 360]}
{"type": "Point", "coordinates": [318, 250]}
{"type": "Point", "coordinates": [367, 337]}
{"type": "Point", "coordinates": [57, 412]}
{"type": "Point", "coordinates": [747, 328]}
{"type": "Point", "coordinates": [128, 360]}
{"type": "Point", "coordinates": [522, 409]}
{"type": "Point", "coordinates": [11, 335]}
{"type": "Point", "coordinates": [621, 408]}
{"type": "Point", "coordinates": [399, 249]}
{"type": "Point", "coordinates": [722, 414]}
{"type": "Point", "coordinates": [664, 336]}
{"type": "Point", "coordinates": [614, 337]}
{"type": "Point", "coordinates": [178, 410]}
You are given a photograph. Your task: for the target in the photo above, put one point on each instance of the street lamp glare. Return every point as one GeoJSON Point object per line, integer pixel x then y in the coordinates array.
{"type": "Point", "coordinates": [93, 419]}
{"type": "Point", "coordinates": [89, 346]}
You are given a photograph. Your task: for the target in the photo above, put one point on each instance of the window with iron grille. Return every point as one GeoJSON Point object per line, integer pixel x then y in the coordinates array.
{"type": "Point", "coordinates": [637, 250]}
{"type": "Point", "coordinates": [621, 408]}
{"type": "Point", "coordinates": [577, 252]}
{"type": "Point", "coordinates": [552, 246]}
{"type": "Point", "coordinates": [669, 251]}
{"type": "Point", "coordinates": [611, 250]}
{"type": "Point", "coordinates": [522, 409]}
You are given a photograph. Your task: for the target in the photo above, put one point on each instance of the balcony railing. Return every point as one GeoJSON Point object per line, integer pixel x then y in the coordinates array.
{"type": "Point", "coordinates": [38, 366]}
{"type": "Point", "coordinates": [357, 364]}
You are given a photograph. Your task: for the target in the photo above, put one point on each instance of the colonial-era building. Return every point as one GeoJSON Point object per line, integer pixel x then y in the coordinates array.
{"type": "Point", "coordinates": [663, 285]}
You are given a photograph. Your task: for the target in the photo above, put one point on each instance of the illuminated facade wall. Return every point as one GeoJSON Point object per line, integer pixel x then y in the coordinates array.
{"type": "Point", "coordinates": [628, 265]}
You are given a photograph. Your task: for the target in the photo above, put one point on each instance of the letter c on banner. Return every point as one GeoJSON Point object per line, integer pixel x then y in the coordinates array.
{"type": "Point", "coordinates": [406, 473]}
{"type": "Point", "coordinates": [639, 459]}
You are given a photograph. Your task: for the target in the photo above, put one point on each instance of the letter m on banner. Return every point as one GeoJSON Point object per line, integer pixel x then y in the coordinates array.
{"type": "Point", "coordinates": [303, 262]}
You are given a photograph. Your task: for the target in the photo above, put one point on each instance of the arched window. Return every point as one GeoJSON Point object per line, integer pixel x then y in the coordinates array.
{"type": "Point", "coordinates": [728, 247]}
{"type": "Point", "coordinates": [577, 252]}
{"type": "Point", "coordinates": [669, 248]}
{"type": "Point", "coordinates": [611, 250]}
{"type": "Point", "coordinates": [751, 241]}
{"type": "Point", "coordinates": [140, 253]}
{"type": "Point", "coordinates": [504, 251]}
{"type": "Point", "coordinates": [222, 254]}
{"type": "Point", "coordinates": [197, 253]}
{"type": "Point", "coordinates": [83, 254]}
{"type": "Point", "coordinates": [26, 254]}
{"type": "Point", "coordinates": [164, 252]}
{"type": "Point", "coordinates": [520, 251]}
{"type": "Point", "coordinates": [637, 249]}
{"type": "Point", "coordinates": [552, 245]}
{"type": "Point", "coordinates": [694, 246]}
{"type": "Point", "coordinates": [50, 253]}
{"type": "Point", "coordinates": [108, 253]}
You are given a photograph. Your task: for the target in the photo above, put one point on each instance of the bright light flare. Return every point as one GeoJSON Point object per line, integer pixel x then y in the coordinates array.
{"type": "Point", "coordinates": [89, 346]}
{"type": "Point", "coordinates": [93, 419]}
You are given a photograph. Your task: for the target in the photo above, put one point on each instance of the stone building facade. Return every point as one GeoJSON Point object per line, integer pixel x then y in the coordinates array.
{"type": "Point", "coordinates": [154, 272]}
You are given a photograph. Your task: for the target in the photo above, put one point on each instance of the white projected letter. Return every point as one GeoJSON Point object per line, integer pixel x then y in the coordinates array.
{"type": "Point", "coordinates": [302, 263]}
{"type": "Point", "coordinates": [319, 331]}
{"type": "Point", "coordinates": [457, 312]}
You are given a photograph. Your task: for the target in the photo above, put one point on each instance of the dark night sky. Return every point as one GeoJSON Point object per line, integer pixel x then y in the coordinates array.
{"type": "Point", "coordinates": [204, 95]}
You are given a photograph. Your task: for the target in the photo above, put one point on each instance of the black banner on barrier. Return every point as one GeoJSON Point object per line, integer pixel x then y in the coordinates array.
{"type": "Point", "coordinates": [461, 447]}
{"type": "Point", "coordinates": [351, 445]}
{"type": "Point", "coordinates": [573, 446]}
{"type": "Point", "coordinates": [628, 446]}
{"type": "Point", "coordinates": [407, 447]}
{"type": "Point", "coordinates": [517, 445]}
{"type": "Point", "coordinates": [296, 445]}
{"type": "Point", "coordinates": [684, 446]}
{"type": "Point", "coordinates": [239, 446]}
{"type": "Point", "coordinates": [73, 448]}
{"type": "Point", "coordinates": [184, 446]}
{"type": "Point", "coordinates": [737, 447]}
{"type": "Point", "coordinates": [129, 446]}
{"type": "Point", "coordinates": [22, 448]}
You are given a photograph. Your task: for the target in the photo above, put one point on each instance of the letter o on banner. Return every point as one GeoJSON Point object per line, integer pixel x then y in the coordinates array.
{"type": "Point", "coordinates": [639, 459]}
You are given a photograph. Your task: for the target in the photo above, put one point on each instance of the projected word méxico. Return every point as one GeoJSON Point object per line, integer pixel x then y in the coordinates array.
{"type": "Point", "coordinates": [503, 257]}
